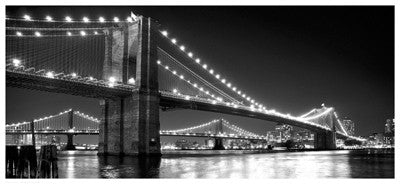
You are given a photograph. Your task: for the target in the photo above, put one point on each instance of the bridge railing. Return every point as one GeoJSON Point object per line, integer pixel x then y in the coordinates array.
{"type": "Point", "coordinates": [45, 74]}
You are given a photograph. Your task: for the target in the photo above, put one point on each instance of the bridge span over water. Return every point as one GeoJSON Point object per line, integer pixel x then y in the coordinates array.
{"type": "Point", "coordinates": [135, 68]}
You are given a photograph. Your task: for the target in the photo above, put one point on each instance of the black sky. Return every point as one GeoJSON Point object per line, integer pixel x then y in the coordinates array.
{"type": "Point", "coordinates": [290, 58]}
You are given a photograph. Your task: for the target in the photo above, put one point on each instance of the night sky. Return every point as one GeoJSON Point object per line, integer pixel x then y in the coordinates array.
{"type": "Point", "coordinates": [291, 59]}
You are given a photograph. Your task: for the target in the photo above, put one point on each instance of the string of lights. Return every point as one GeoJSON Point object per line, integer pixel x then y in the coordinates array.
{"type": "Point", "coordinates": [308, 113]}
{"type": "Point", "coordinates": [340, 123]}
{"type": "Point", "coordinates": [194, 85]}
{"type": "Point", "coordinates": [68, 19]}
{"type": "Point", "coordinates": [193, 127]}
{"type": "Point", "coordinates": [40, 119]}
{"type": "Point", "coordinates": [212, 71]}
{"type": "Point", "coordinates": [210, 85]}
{"type": "Point", "coordinates": [240, 130]}
{"type": "Point", "coordinates": [83, 115]}
{"type": "Point", "coordinates": [327, 110]}
{"type": "Point", "coordinates": [16, 64]}
{"type": "Point", "coordinates": [66, 34]}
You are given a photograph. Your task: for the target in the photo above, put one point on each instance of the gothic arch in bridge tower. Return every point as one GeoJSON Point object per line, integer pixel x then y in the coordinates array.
{"type": "Point", "coordinates": [130, 125]}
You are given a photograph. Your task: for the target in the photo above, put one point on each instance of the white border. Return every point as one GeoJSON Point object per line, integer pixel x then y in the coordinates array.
{"type": "Point", "coordinates": [196, 2]}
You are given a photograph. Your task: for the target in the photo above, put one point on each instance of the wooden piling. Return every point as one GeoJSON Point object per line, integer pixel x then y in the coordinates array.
{"type": "Point", "coordinates": [11, 161]}
{"type": "Point", "coordinates": [48, 162]}
{"type": "Point", "coordinates": [27, 162]}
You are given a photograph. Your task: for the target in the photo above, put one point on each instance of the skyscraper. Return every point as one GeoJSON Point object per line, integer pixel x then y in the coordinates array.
{"type": "Point", "coordinates": [389, 126]}
{"type": "Point", "coordinates": [389, 132]}
{"type": "Point", "coordinates": [284, 131]}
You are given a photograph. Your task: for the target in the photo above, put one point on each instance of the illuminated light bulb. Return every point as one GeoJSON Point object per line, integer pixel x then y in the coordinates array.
{"type": "Point", "coordinates": [68, 19]}
{"type": "Point", "coordinates": [187, 97]}
{"type": "Point", "coordinates": [111, 79]}
{"type": "Point", "coordinates": [38, 34]}
{"type": "Point", "coordinates": [166, 67]}
{"type": "Point", "coordinates": [217, 76]}
{"type": "Point", "coordinates": [96, 33]}
{"type": "Point", "coordinates": [223, 81]}
{"type": "Point", "coordinates": [190, 54]}
{"type": "Point", "coordinates": [48, 18]}
{"type": "Point", "coordinates": [229, 84]}
{"type": "Point", "coordinates": [235, 106]}
{"type": "Point", "coordinates": [205, 66]}
{"type": "Point", "coordinates": [244, 95]}
{"type": "Point", "coordinates": [201, 89]}
{"type": "Point", "coordinates": [239, 92]}
{"type": "Point", "coordinates": [173, 41]}
{"type": "Point", "coordinates": [19, 33]}
{"type": "Point", "coordinates": [73, 74]}
{"type": "Point", "coordinates": [116, 19]}
{"type": "Point", "coordinates": [83, 33]}
{"type": "Point", "coordinates": [50, 75]}
{"type": "Point", "coordinates": [214, 102]}
{"type": "Point", "coordinates": [197, 60]}
{"type": "Point", "coordinates": [252, 101]}
{"type": "Point", "coordinates": [211, 71]}
{"type": "Point", "coordinates": [27, 17]}
{"type": "Point", "coordinates": [158, 62]}
{"type": "Point", "coordinates": [234, 88]}
{"type": "Point", "coordinates": [129, 19]}
{"type": "Point", "coordinates": [182, 48]}
{"type": "Point", "coordinates": [195, 85]}
{"type": "Point", "coordinates": [131, 81]}
{"type": "Point", "coordinates": [90, 78]}
{"type": "Point", "coordinates": [174, 90]}
{"type": "Point", "coordinates": [85, 19]}
{"type": "Point", "coordinates": [207, 92]}
{"type": "Point", "coordinates": [174, 72]}
{"type": "Point", "coordinates": [165, 33]}
{"type": "Point", "coordinates": [69, 33]}
{"type": "Point", "coordinates": [181, 77]}
{"type": "Point", "coordinates": [16, 62]}
{"type": "Point", "coordinates": [101, 19]}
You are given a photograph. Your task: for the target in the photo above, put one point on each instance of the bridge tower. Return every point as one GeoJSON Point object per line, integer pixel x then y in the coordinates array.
{"type": "Point", "coordinates": [70, 137]}
{"type": "Point", "coordinates": [326, 140]}
{"type": "Point", "coordinates": [219, 144]}
{"type": "Point", "coordinates": [130, 125]}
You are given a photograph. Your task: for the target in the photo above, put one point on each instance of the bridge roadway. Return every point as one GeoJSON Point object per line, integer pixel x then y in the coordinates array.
{"type": "Point", "coordinates": [96, 89]}
{"type": "Point", "coordinates": [162, 133]}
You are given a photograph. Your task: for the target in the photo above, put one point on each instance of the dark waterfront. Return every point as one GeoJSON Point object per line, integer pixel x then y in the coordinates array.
{"type": "Point", "coordinates": [314, 164]}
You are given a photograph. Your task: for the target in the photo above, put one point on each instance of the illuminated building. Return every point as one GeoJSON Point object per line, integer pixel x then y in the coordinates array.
{"type": "Point", "coordinates": [284, 131]}
{"type": "Point", "coordinates": [389, 126]}
{"type": "Point", "coordinates": [388, 138]}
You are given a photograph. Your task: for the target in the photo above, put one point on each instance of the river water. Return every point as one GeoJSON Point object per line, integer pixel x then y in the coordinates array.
{"type": "Point", "coordinates": [195, 164]}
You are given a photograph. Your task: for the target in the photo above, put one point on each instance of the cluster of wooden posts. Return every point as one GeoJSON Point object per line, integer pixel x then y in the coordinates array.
{"type": "Point", "coordinates": [24, 162]}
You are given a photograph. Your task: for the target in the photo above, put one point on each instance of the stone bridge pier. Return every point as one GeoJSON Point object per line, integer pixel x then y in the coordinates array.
{"type": "Point", "coordinates": [326, 140]}
{"type": "Point", "coordinates": [70, 137]}
{"type": "Point", "coordinates": [130, 125]}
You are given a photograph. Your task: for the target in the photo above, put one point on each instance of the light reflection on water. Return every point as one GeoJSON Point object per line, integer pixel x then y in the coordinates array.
{"type": "Point", "coordinates": [318, 164]}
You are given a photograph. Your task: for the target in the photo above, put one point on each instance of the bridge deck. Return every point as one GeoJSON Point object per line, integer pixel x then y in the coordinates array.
{"type": "Point", "coordinates": [66, 86]}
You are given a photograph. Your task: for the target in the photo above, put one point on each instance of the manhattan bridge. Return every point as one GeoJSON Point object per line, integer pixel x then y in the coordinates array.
{"type": "Point", "coordinates": [135, 68]}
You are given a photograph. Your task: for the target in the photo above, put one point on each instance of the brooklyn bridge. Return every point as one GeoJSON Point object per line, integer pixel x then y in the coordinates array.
{"type": "Point", "coordinates": [135, 68]}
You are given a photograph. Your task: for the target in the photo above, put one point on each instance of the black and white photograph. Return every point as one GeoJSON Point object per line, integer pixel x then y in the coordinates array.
{"type": "Point", "coordinates": [198, 92]}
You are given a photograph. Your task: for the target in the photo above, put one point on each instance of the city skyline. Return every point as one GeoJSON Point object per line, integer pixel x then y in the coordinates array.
{"type": "Point", "coordinates": [294, 92]}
